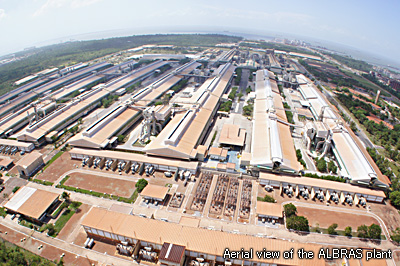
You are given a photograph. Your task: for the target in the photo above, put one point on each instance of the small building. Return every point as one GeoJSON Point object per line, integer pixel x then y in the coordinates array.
{"type": "Point", "coordinates": [221, 167]}
{"type": "Point", "coordinates": [230, 167]}
{"type": "Point", "coordinates": [34, 204]}
{"type": "Point", "coordinates": [50, 137]}
{"type": "Point", "coordinates": [245, 159]}
{"type": "Point", "coordinates": [30, 164]}
{"type": "Point", "coordinates": [154, 193]}
{"type": "Point", "coordinates": [218, 153]}
{"type": "Point", "coordinates": [269, 212]}
{"type": "Point", "coordinates": [173, 255]}
{"type": "Point", "coordinates": [6, 163]}
{"type": "Point", "coordinates": [201, 152]}
{"type": "Point", "coordinates": [232, 135]}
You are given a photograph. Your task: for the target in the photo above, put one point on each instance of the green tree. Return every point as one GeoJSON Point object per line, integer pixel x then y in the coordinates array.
{"type": "Point", "coordinates": [362, 231]}
{"type": "Point", "coordinates": [290, 209]}
{"type": "Point", "coordinates": [321, 165]}
{"type": "Point", "coordinates": [332, 229]}
{"type": "Point", "coordinates": [395, 236]}
{"type": "Point", "coordinates": [348, 231]}
{"type": "Point", "coordinates": [374, 231]}
{"type": "Point", "coordinates": [248, 90]}
{"type": "Point", "coordinates": [240, 95]}
{"type": "Point", "coordinates": [15, 189]}
{"type": "Point", "coordinates": [51, 230]}
{"type": "Point", "coordinates": [65, 196]}
{"type": "Point", "coordinates": [141, 184]}
{"type": "Point", "coordinates": [395, 198]}
{"type": "Point", "coordinates": [299, 223]}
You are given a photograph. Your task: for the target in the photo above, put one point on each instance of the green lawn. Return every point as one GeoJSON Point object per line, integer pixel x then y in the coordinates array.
{"type": "Point", "coordinates": [64, 218]}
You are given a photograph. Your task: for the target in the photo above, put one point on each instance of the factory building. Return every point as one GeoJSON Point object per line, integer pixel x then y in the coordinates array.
{"type": "Point", "coordinates": [186, 130]}
{"type": "Point", "coordinates": [130, 159]}
{"type": "Point", "coordinates": [272, 144]}
{"type": "Point", "coordinates": [81, 105]}
{"type": "Point", "coordinates": [10, 143]}
{"type": "Point", "coordinates": [200, 245]}
{"type": "Point", "coordinates": [329, 133]}
{"type": "Point", "coordinates": [51, 86]}
{"type": "Point", "coordinates": [30, 164]}
{"type": "Point", "coordinates": [17, 120]}
{"type": "Point", "coordinates": [100, 134]}
{"type": "Point", "coordinates": [34, 204]}
{"type": "Point", "coordinates": [328, 189]}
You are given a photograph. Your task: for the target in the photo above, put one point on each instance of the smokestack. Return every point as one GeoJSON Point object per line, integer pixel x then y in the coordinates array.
{"type": "Point", "coordinates": [377, 96]}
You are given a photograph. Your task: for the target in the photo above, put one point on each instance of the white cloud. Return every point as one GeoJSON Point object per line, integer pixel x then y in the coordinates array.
{"type": "Point", "coordinates": [54, 4]}
{"type": "Point", "coordinates": [2, 14]}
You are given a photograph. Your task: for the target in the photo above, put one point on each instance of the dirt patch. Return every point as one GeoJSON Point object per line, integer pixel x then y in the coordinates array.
{"type": "Point", "coordinates": [60, 166]}
{"type": "Point", "coordinates": [325, 218]}
{"type": "Point", "coordinates": [114, 186]}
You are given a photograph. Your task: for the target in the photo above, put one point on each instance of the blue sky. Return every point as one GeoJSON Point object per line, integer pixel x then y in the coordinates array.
{"type": "Point", "coordinates": [370, 26]}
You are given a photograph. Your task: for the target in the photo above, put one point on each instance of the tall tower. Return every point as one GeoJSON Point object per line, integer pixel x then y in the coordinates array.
{"type": "Point", "coordinates": [377, 96]}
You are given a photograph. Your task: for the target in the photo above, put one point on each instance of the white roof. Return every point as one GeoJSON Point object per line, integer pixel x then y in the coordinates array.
{"type": "Point", "coordinates": [20, 198]}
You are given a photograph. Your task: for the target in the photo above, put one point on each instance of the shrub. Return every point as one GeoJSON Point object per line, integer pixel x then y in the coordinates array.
{"type": "Point", "coordinates": [268, 198]}
{"type": "Point", "coordinates": [348, 231]}
{"type": "Point", "coordinates": [332, 229]}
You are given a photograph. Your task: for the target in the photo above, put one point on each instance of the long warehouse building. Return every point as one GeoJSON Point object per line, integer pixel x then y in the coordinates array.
{"type": "Point", "coordinates": [55, 84]}
{"type": "Point", "coordinates": [92, 80]}
{"type": "Point", "coordinates": [81, 105]}
{"type": "Point", "coordinates": [272, 147]}
{"type": "Point", "coordinates": [198, 242]}
{"type": "Point", "coordinates": [116, 121]}
{"type": "Point", "coordinates": [185, 131]}
{"type": "Point", "coordinates": [354, 161]}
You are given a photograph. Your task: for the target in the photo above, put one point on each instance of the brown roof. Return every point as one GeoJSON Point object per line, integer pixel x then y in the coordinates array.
{"type": "Point", "coordinates": [32, 206]}
{"type": "Point", "coordinates": [221, 166]}
{"type": "Point", "coordinates": [215, 151]}
{"type": "Point", "coordinates": [29, 158]}
{"type": "Point", "coordinates": [6, 161]}
{"type": "Point", "coordinates": [232, 135]}
{"type": "Point", "coordinates": [269, 209]}
{"type": "Point", "coordinates": [194, 239]}
{"type": "Point", "coordinates": [154, 191]}
{"type": "Point", "coordinates": [201, 149]}
{"type": "Point", "coordinates": [230, 165]}
{"type": "Point", "coordinates": [172, 253]}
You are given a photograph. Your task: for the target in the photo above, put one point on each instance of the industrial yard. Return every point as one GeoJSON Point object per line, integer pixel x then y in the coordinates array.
{"type": "Point", "coordinates": [145, 154]}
